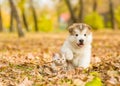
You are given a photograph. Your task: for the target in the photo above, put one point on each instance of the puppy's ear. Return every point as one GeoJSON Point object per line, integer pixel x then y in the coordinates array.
{"type": "Point", "coordinates": [89, 27]}
{"type": "Point", "coordinates": [70, 28]}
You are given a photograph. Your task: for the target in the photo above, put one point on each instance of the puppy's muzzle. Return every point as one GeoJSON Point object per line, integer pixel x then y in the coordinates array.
{"type": "Point", "coordinates": [81, 41]}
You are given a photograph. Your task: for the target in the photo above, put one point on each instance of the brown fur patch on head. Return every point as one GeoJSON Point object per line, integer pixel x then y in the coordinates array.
{"type": "Point", "coordinates": [80, 26]}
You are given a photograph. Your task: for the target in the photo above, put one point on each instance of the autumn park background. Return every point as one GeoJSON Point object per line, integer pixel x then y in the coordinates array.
{"type": "Point", "coordinates": [31, 31]}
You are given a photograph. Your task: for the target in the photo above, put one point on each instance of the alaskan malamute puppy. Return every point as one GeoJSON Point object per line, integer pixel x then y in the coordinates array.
{"type": "Point", "coordinates": [77, 47]}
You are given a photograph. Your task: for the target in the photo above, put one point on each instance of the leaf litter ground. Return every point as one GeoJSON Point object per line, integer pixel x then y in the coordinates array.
{"type": "Point", "coordinates": [24, 61]}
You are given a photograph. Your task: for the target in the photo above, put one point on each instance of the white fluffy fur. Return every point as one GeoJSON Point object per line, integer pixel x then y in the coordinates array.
{"type": "Point", "coordinates": [78, 55]}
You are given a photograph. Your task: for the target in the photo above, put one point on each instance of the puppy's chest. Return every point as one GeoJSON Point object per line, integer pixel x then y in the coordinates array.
{"type": "Point", "coordinates": [80, 52]}
{"type": "Point", "coordinates": [76, 54]}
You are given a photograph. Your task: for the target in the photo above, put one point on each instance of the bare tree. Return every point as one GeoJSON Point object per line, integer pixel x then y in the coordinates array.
{"type": "Point", "coordinates": [71, 10]}
{"type": "Point", "coordinates": [21, 4]}
{"type": "Point", "coordinates": [111, 14]}
{"type": "Point", "coordinates": [16, 16]}
{"type": "Point", "coordinates": [25, 21]}
{"type": "Point", "coordinates": [94, 5]}
{"type": "Point", "coordinates": [11, 21]}
{"type": "Point", "coordinates": [81, 10]}
{"type": "Point", "coordinates": [34, 15]}
{"type": "Point", "coordinates": [1, 25]}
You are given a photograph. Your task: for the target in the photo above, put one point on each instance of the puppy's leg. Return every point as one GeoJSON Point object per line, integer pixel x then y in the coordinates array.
{"type": "Point", "coordinates": [70, 66]}
{"type": "Point", "coordinates": [84, 62]}
{"type": "Point", "coordinates": [68, 54]}
{"type": "Point", "coordinates": [76, 61]}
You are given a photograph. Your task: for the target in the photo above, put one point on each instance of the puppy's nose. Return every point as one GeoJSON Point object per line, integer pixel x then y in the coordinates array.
{"type": "Point", "coordinates": [81, 40]}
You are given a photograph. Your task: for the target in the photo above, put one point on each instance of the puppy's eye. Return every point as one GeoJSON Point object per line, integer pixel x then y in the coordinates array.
{"type": "Point", "coordinates": [76, 34]}
{"type": "Point", "coordinates": [84, 34]}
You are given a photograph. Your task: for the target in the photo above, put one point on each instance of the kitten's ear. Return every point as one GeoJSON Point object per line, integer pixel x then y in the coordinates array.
{"type": "Point", "coordinates": [63, 55]}
{"type": "Point", "coordinates": [55, 55]}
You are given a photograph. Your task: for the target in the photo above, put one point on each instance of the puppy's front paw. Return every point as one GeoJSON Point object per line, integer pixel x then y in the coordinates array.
{"type": "Point", "coordinates": [69, 55]}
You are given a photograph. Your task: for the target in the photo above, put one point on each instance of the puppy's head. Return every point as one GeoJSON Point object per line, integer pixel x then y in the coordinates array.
{"type": "Point", "coordinates": [80, 34]}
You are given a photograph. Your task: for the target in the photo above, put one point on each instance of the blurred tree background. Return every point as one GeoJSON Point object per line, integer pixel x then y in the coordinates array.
{"type": "Point", "coordinates": [53, 15]}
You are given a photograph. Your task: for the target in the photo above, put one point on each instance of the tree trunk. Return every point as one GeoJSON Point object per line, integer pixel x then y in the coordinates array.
{"type": "Point", "coordinates": [25, 21]}
{"type": "Point", "coordinates": [94, 5]}
{"type": "Point", "coordinates": [71, 11]}
{"type": "Point", "coordinates": [111, 14]}
{"type": "Point", "coordinates": [34, 16]}
{"type": "Point", "coordinates": [1, 24]}
{"type": "Point", "coordinates": [16, 16]}
{"type": "Point", "coordinates": [11, 22]}
{"type": "Point", "coordinates": [35, 19]}
{"type": "Point", "coordinates": [81, 10]}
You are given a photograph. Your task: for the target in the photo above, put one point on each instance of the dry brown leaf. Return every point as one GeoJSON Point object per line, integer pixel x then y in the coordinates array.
{"type": "Point", "coordinates": [26, 82]}
{"type": "Point", "coordinates": [78, 82]}
{"type": "Point", "coordinates": [112, 81]}
{"type": "Point", "coordinates": [1, 84]}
